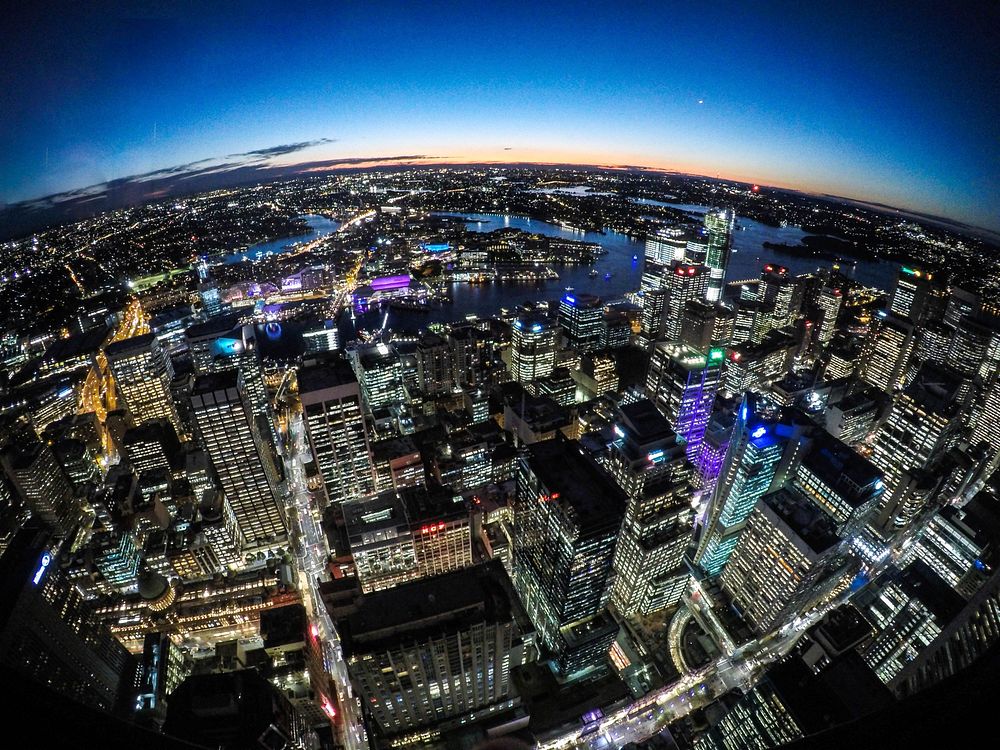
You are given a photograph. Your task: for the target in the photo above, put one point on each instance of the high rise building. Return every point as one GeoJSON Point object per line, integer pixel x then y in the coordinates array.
{"type": "Point", "coordinates": [684, 282]}
{"type": "Point", "coordinates": [910, 297]}
{"type": "Point", "coordinates": [143, 373]}
{"type": "Point", "coordinates": [439, 651]}
{"type": "Point", "coordinates": [719, 224]}
{"type": "Point", "coordinates": [335, 425]}
{"type": "Point", "coordinates": [581, 317]}
{"type": "Point", "coordinates": [402, 536]}
{"type": "Point", "coordinates": [435, 366]}
{"type": "Point", "coordinates": [960, 304]}
{"type": "Point", "coordinates": [780, 296]}
{"type": "Point", "coordinates": [48, 632]}
{"type": "Point", "coordinates": [962, 544]}
{"type": "Point", "coordinates": [380, 372]}
{"type": "Point", "coordinates": [242, 454]}
{"type": "Point", "coordinates": [886, 353]}
{"type": "Point", "coordinates": [653, 316]}
{"type": "Point", "coordinates": [707, 324]}
{"type": "Point", "coordinates": [647, 461]}
{"type": "Point", "coordinates": [663, 248]}
{"type": "Point", "coordinates": [40, 483]}
{"type": "Point", "coordinates": [783, 561]}
{"type": "Point", "coordinates": [923, 422]}
{"type": "Point", "coordinates": [755, 451]}
{"type": "Point", "coordinates": [829, 303]}
{"type": "Point", "coordinates": [533, 346]}
{"type": "Point", "coordinates": [568, 516]}
{"type": "Point", "coordinates": [683, 382]}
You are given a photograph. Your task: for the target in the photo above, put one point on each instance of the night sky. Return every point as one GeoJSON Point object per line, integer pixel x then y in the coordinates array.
{"type": "Point", "coordinates": [892, 102]}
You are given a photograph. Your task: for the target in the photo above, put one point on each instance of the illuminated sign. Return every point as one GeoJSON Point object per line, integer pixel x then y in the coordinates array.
{"type": "Point", "coordinates": [619, 432]}
{"type": "Point", "coordinates": [437, 248]}
{"type": "Point", "coordinates": [570, 299]}
{"type": "Point", "coordinates": [744, 413]}
{"type": "Point", "coordinates": [536, 328]}
{"type": "Point", "coordinates": [43, 565]}
{"type": "Point", "coordinates": [716, 355]}
{"type": "Point", "coordinates": [655, 456]}
{"type": "Point", "coordinates": [759, 432]}
{"type": "Point", "coordinates": [387, 283]}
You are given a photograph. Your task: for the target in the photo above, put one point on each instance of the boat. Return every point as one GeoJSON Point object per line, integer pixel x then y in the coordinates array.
{"type": "Point", "coordinates": [593, 273]}
{"type": "Point", "coordinates": [607, 277]}
{"type": "Point", "coordinates": [634, 258]}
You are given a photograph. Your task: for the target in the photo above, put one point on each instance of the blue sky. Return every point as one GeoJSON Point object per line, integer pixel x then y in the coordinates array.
{"type": "Point", "coordinates": [894, 102]}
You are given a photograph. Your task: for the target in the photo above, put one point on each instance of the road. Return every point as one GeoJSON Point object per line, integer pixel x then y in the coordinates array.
{"type": "Point", "coordinates": [311, 553]}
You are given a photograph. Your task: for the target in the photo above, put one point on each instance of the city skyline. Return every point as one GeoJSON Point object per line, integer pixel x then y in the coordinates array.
{"type": "Point", "coordinates": [757, 97]}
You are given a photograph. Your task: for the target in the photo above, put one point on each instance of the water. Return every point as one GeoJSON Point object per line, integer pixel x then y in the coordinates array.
{"type": "Point", "coordinates": [319, 226]}
{"type": "Point", "coordinates": [485, 300]}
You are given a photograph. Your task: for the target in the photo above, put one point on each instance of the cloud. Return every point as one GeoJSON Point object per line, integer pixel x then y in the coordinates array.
{"type": "Point", "coordinates": [282, 150]}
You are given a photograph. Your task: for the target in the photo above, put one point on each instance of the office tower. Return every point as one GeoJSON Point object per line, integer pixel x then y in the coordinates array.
{"type": "Point", "coordinates": [438, 649]}
{"type": "Point", "coordinates": [683, 283]}
{"type": "Point", "coordinates": [853, 418]}
{"type": "Point", "coordinates": [143, 372]}
{"type": "Point", "coordinates": [581, 317]}
{"type": "Point", "coordinates": [162, 668]}
{"type": "Point", "coordinates": [598, 375]}
{"type": "Point", "coordinates": [886, 353]}
{"type": "Point", "coordinates": [48, 632]}
{"type": "Point", "coordinates": [986, 421]}
{"type": "Point", "coordinates": [40, 483]}
{"type": "Point", "coordinates": [975, 348]}
{"type": "Point", "coordinates": [335, 425]}
{"type": "Point", "coordinates": [559, 386]}
{"type": "Point", "coordinates": [616, 329]}
{"type": "Point", "coordinates": [840, 481]}
{"type": "Point", "coordinates": [683, 383]}
{"type": "Point", "coordinates": [931, 344]}
{"type": "Point", "coordinates": [908, 610]}
{"type": "Point", "coordinates": [922, 424]}
{"type": "Point", "coordinates": [568, 515]}
{"type": "Point", "coordinates": [152, 447]}
{"type": "Point", "coordinates": [961, 544]}
{"type": "Point", "coordinates": [961, 303]}
{"type": "Point", "coordinates": [752, 458]}
{"type": "Point", "coordinates": [242, 455]}
{"type": "Point", "coordinates": [78, 462]}
{"type": "Point", "coordinates": [118, 558]}
{"type": "Point", "coordinates": [380, 373]}
{"type": "Point", "coordinates": [653, 315]}
{"type": "Point", "coordinates": [647, 461]}
{"type": "Point", "coordinates": [719, 224]}
{"type": "Point", "coordinates": [780, 296]}
{"type": "Point", "coordinates": [533, 346]}
{"type": "Point", "coordinates": [663, 248]}
{"type": "Point", "coordinates": [220, 345]}
{"type": "Point", "coordinates": [707, 324]}
{"type": "Point", "coordinates": [221, 529]}
{"type": "Point", "coordinates": [910, 297]}
{"type": "Point", "coordinates": [754, 367]}
{"type": "Point", "coordinates": [397, 464]}
{"type": "Point", "coordinates": [973, 631]}
{"type": "Point", "coordinates": [406, 535]}
{"type": "Point", "coordinates": [783, 561]}
{"type": "Point", "coordinates": [435, 366]}
{"type": "Point", "coordinates": [828, 303]}
{"type": "Point", "coordinates": [472, 353]}
{"type": "Point", "coordinates": [322, 339]}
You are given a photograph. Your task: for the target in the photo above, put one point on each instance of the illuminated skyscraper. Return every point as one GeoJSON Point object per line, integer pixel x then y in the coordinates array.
{"type": "Point", "coordinates": [755, 451]}
{"type": "Point", "coordinates": [335, 426]}
{"type": "Point", "coordinates": [886, 352]}
{"type": "Point", "coordinates": [647, 461]}
{"type": "Point", "coordinates": [533, 346]}
{"type": "Point", "coordinates": [719, 224]}
{"type": "Point", "coordinates": [380, 373]}
{"type": "Point", "coordinates": [567, 519]}
{"type": "Point", "coordinates": [683, 383]}
{"type": "Point", "coordinates": [41, 484]}
{"type": "Point", "coordinates": [783, 560]}
{"type": "Point", "coordinates": [581, 317]}
{"type": "Point", "coordinates": [909, 298]}
{"type": "Point", "coordinates": [244, 459]}
{"type": "Point", "coordinates": [143, 373]}
{"type": "Point", "coordinates": [683, 283]}
{"type": "Point", "coordinates": [922, 423]}
{"type": "Point", "coordinates": [829, 303]}
{"type": "Point", "coordinates": [662, 249]}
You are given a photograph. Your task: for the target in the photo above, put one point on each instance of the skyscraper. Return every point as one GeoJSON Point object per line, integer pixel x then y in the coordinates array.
{"type": "Point", "coordinates": [886, 352]}
{"type": "Point", "coordinates": [662, 248]}
{"type": "Point", "coordinates": [533, 346]}
{"type": "Point", "coordinates": [568, 516]}
{"type": "Point", "coordinates": [581, 317]}
{"type": "Point", "coordinates": [647, 461]}
{"type": "Point", "coordinates": [683, 383]}
{"type": "Point", "coordinates": [910, 297]}
{"type": "Point", "coordinates": [719, 224]}
{"type": "Point", "coordinates": [244, 459]}
{"type": "Point", "coordinates": [41, 484]}
{"type": "Point", "coordinates": [752, 458]}
{"type": "Point", "coordinates": [684, 282]}
{"type": "Point", "coordinates": [782, 560]}
{"type": "Point", "coordinates": [335, 425]}
{"type": "Point", "coordinates": [829, 303]}
{"type": "Point", "coordinates": [380, 373]}
{"type": "Point", "coordinates": [143, 372]}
